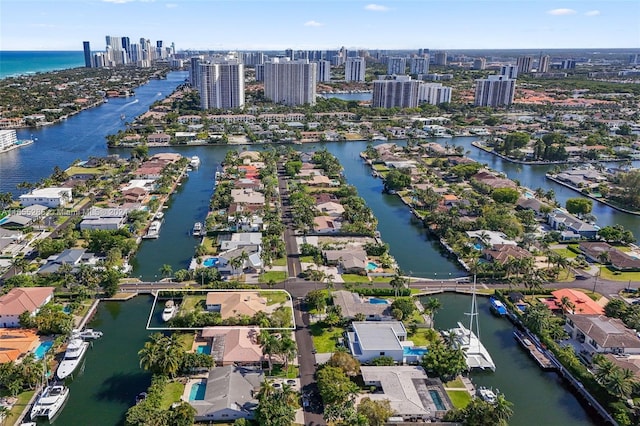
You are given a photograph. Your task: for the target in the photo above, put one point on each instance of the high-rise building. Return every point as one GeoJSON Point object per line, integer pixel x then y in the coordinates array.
{"type": "Point", "coordinates": [87, 54]}
{"type": "Point", "coordinates": [397, 66]}
{"type": "Point", "coordinates": [221, 85]}
{"type": "Point", "coordinates": [159, 50]}
{"type": "Point", "coordinates": [422, 52]}
{"type": "Point", "coordinates": [260, 72]}
{"type": "Point", "coordinates": [420, 65]}
{"type": "Point", "coordinates": [290, 83]}
{"type": "Point", "coordinates": [568, 64]}
{"type": "Point", "coordinates": [543, 63]}
{"type": "Point", "coordinates": [354, 69]}
{"type": "Point", "coordinates": [440, 58]}
{"type": "Point", "coordinates": [434, 93]}
{"type": "Point", "coordinates": [510, 71]}
{"type": "Point", "coordinates": [495, 91]}
{"type": "Point", "coordinates": [525, 64]}
{"type": "Point", "coordinates": [479, 63]}
{"type": "Point", "coordinates": [323, 70]}
{"type": "Point", "coordinates": [194, 71]}
{"type": "Point", "coordinates": [126, 43]}
{"type": "Point", "coordinates": [398, 92]}
{"type": "Point", "coordinates": [634, 59]}
{"type": "Point", "coordinates": [252, 58]}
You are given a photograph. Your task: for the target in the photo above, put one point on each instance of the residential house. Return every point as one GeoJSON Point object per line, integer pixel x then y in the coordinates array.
{"type": "Point", "coordinates": [487, 238]}
{"type": "Point", "coordinates": [235, 303]}
{"type": "Point", "coordinates": [351, 261]}
{"type": "Point", "coordinates": [533, 204]}
{"type": "Point", "coordinates": [593, 252]}
{"type": "Point", "coordinates": [326, 225]}
{"type": "Point", "coordinates": [106, 219]}
{"type": "Point", "coordinates": [601, 334]}
{"type": "Point", "coordinates": [247, 183]}
{"type": "Point", "coordinates": [581, 304]}
{"type": "Point", "coordinates": [239, 239]}
{"type": "Point", "coordinates": [501, 253]}
{"type": "Point", "coordinates": [247, 196]}
{"type": "Point", "coordinates": [252, 264]}
{"type": "Point", "coordinates": [370, 340]}
{"type": "Point", "coordinates": [330, 209]}
{"type": "Point", "coordinates": [408, 389]}
{"type": "Point", "coordinates": [318, 181]}
{"type": "Point", "coordinates": [490, 179]}
{"type": "Point", "coordinates": [73, 257]}
{"type": "Point", "coordinates": [230, 394]}
{"type": "Point", "coordinates": [352, 304]}
{"type": "Point", "coordinates": [134, 195]}
{"type": "Point", "coordinates": [51, 197]}
{"type": "Point", "coordinates": [238, 346]}
{"type": "Point", "coordinates": [20, 300]}
{"type": "Point", "coordinates": [560, 220]}
{"type": "Point", "coordinates": [158, 138]}
{"type": "Point", "coordinates": [16, 343]}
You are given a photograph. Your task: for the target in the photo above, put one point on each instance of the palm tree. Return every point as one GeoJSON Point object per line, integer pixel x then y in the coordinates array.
{"type": "Point", "coordinates": [621, 383]}
{"type": "Point", "coordinates": [287, 349]}
{"type": "Point", "coordinates": [329, 279]}
{"type": "Point", "coordinates": [432, 306]}
{"type": "Point", "coordinates": [270, 345]}
{"type": "Point", "coordinates": [567, 305]}
{"type": "Point", "coordinates": [397, 282]}
{"type": "Point", "coordinates": [166, 270]}
{"type": "Point", "coordinates": [502, 409]}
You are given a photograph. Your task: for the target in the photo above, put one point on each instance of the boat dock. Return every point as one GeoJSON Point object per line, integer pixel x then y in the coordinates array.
{"type": "Point", "coordinates": [537, 353]}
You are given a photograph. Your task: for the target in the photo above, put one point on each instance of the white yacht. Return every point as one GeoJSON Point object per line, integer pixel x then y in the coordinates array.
{"type": "Point", "coordinates": [50, 402]}
{"type": "Point", "coordinates": [154, 230]}
{"type": "Point", "coordinates": [197, 229]}
{"type": "Point", "coordinates": [87, 334]}
{"type": "Point", "coordinates": [487, 394]}
{"type": "Point", "coordinates": [195, 161]}
{"type": "Point", "coordinates": [169, 311]}
{"type": "Point", "coordinates": [72, 357]}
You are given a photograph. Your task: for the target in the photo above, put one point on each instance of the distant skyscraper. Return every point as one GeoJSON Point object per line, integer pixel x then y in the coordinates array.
{"type": "Point", "coordinates": [400, 92]}
{"type": "Point", "coordinates": [422, 52]}
{"type": "Point", "coordinates": [221, 85]}
{"type": "Point", "coordinates": [87, 54]}
{"type": "Point", "coordinates": [420, 65]}
{"type": "Point", "coordinates": [288, 53]}
{"type": "Point", "coordinates": [323, 69]}
{"type": "Point", "coordinates": [634, 59]}
{"type": "Point", "coordinates": [568, 64]}
{"type": "Point", "coordinates": [290, 83]}
{"type": "Point", "coordinates": [440, 58]}
{"type": "Point", "coordinates": [495, 91]}
{"type": "Point", "coordinates": [434, 93]}
{"type": "Point", "coordinates": [159, 50]}
{"type": "Point", "coordinates": [510, 71]}
{"type": "Point", "coordinates": [259, 72]}
{"type": "Point", "coordinates": [543, 63]}
{"type": "Point", "coordinates": [354, 69]}
{"type": "Point", "coordinates": [397, 66]}
{"type": "Point", "coordinates": [194, 71]}
{"type": "Point", "coordinates": [525, 64]}
{"type": "Point", "coordinates": [479, 64]}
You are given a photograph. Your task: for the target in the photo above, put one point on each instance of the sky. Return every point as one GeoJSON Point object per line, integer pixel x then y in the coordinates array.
{"type": "Point", "coordinates": [322, 24]}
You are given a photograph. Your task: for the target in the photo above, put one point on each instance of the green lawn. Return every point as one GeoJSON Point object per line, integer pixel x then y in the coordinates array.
{"type": "Point", "coordinates": [306, 259]}
{"type": "Point", "coordinates": [280, 262]}
{"type": "Point", "coordinates": [190, 303]}
{"type": "Point", "coordinates": [172, 393]}
{"type": "Point", "coordinates": [74, 170]}
{"type": "Point", "coordinates": [609, 274]}
{"type": "Point", "coordinates": [381, 279]}
{"type": "Point", "coordinates": [380, 167]}
{"type": "Point", "coordinates": [276, 276]}
{"type": "Point", "coordinates": [420, 337]}
{"type": "Point", "coordinates": [456, 383]}
{"type": "Point", "coordinates": [324, 339]}
{"type": "Point", "coordinates": [18, 408]}
{"type": "Point", "coordinates": [460, 399]}
{"type": "Point", "coordinates": [354, 278]}
{"type": "Point", "coordinates": [186, 340]}
{"type": "Point", "coordinates": [291, 373]}
{"type": "Point", "coordinates": [274, 297]}
{"type": "Point", "coordinates": [565, 252]}
{"type": "Point", "coordinates": [208, 244]}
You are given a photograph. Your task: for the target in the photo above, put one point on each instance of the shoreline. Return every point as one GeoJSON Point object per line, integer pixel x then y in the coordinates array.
{"type": "Point", "coordinates": [17, 145]}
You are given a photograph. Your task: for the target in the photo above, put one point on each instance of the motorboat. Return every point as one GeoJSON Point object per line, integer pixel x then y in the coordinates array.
{"type": "Point", "coordinates": [195, 161]}
{"type": "Point", "coordinates": [487, 394]}
{"type": "Point", "coordinates": [197, 229]}
{"type": "Point", "coordinates": [154, 230]}
{"type": "Point", "coordinates": [49, 402]}
{"type": "Point", "coordinates": [169, 311]}
{"type": "Point", "coordinates": [88, 334]}
{"type": "Point", "coordinates": [72, 357]}
{"type": "Point", "coordinates": [497, 307]}
{"type": "Point", "coordinates": [159, 215]}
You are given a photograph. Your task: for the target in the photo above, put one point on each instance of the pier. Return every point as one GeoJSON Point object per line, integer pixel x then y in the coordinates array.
{"type": "Point", "coordinates": [537, 353]}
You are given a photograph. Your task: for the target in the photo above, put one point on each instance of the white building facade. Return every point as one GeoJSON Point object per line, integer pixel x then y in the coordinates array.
{"type": "Point", "coordinates": [290, 83]}
{"type": "Point", "coordinates": [221, 85]}
{"type": "Point", "coordinates": [354, 69]}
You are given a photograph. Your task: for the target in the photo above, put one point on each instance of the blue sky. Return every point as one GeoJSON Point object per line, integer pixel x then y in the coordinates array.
{"type": "Point", "coordinates": [322, 24]}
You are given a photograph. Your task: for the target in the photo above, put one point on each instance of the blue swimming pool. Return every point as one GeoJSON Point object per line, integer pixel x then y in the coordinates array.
{"type": "Point", "coordinates": [371, 266]}
{"type": "Point", "coordinates": [414, 351]}
{"type": "Point", "coordinates": [376, 301]}
{"type": "Point", "coordinates": [477, 246]}
{"type": "Point", "coordinates": [206, 349]}
{"type": "Point", "coordinates": [435, 396]}
{"type": "Point", "coordinates": [66, 309]}
{"type": "Point", "coordinates": [42, 349]}
{"type": "Point", "coordinates": [197, 391]}
{"type": "Point", "coordinates": [210, 262]}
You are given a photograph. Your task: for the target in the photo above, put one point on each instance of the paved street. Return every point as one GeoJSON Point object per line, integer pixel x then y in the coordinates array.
{"type": "Point", "coordinates": [293, 261]}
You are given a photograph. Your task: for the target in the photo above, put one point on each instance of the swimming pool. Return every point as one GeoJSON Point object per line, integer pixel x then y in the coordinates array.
{"type": "Point", "coordinates": [197, 391]}
{"type": "Point", "coordinates": [477, 246]}
{"type": "Point", "coordinates": [42, 349]}
{"type": "Point", "coordinates": [205, 349]}
{"type": "Point", "coordinates": [435, 396]}
{"type": "Point", "coordinates": [371, 266]}
{"type": "Point", "coordinates": [210, 262]}
{"type": "Point", "coordinates": [414, 351]}
{"type": "Point", "coordinates": [376, 301]}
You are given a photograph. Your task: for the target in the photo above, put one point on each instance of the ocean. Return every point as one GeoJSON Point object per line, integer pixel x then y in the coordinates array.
{"type": "Point", "coordinates": [28, 62]}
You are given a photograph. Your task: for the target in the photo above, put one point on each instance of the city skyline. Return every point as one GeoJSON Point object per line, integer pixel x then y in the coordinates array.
{"type": "Point", "coordinates": [315, 24]}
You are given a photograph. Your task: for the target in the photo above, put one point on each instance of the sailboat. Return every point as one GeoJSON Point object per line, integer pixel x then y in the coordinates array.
{"type": "Point", "coordinates": [468, 339]}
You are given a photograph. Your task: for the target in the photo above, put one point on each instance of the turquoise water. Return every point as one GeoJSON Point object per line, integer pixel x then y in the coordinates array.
{"type": "Point", "coordinates": [371, 266]}
{"type": "Point", "coordinates": [212, 261]}
{"type": "Point", "coordinates": [376, 301]}
{"type": "Point", "coordinates": [477, 246]}
{"type": "Point", "coordinates": [42, 349]}
{"type": "Point", "coordinates": [197, 391]}
{"type": "Point", "coordinates": [14, 63]}
{"type": "Point", "coordinates": [435, 396]}
{"type": "Point", "coordinates": [413, 351]}
{"type": "Point", "coordinates": [206, 349]}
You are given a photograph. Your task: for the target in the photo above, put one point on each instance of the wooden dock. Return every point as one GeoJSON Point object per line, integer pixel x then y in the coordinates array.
{"type": "Point", "coordinates": [536, 352]}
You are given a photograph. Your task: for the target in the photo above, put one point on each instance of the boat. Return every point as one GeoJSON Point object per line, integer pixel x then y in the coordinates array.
{"type": "Point", "coordinates": [88, 334]}
{"type": "Point", "coordinates": [197, 229]}
{"type": "Point", "coordinates": [195, 161]}
{"type": "Point", "coordinates": [72, 357]}
{"type": "Point", "coordinates": [487, 394]}
{"type": "Point", "coordinates": [49, 402]}
{"type": "Point", "coordinates": [154, 230]}
{"type": "Point", "coordinates": [141, 397]}
{"type": "Point", "coordinates": [169, 311]}
{"type": "Point", "coordinates": [159, 215]}
{"type": "Point", "coordinates": [497, 307]}
{"type": "Point", "coordinates": [476, 355]}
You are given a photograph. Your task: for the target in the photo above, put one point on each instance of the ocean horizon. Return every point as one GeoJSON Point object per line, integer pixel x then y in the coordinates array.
{"type": "Point", "coordinates": [21, 62]}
